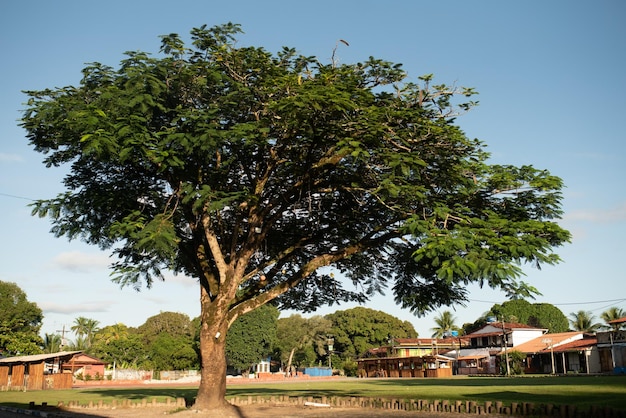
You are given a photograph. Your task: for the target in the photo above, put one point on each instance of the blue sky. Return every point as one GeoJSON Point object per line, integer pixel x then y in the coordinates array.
{"type": "Point", "coordinates": [552, 82]}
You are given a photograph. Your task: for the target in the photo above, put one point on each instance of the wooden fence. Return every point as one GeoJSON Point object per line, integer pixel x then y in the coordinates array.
{"type": "Point", "coordinates": [439, 406]}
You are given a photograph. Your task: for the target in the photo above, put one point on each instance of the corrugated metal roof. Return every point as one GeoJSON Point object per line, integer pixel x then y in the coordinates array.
{"type": "Point", "coordinates": [477, 357]}
{"type": "Point", "coordinates": [35, 358]}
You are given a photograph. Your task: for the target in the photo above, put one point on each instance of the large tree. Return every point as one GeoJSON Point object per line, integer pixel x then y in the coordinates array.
{"type": "Point", "coordinates": [175, 324]}
{"type": "Point", "coordinates": [358, 329]}
{"type": "Point", "coordinates": [171, 352]}
{"type": "Point", "coordinates": [297, 337]}
{"type": "Point", "coordinates": [541, 315]}
{"type": "Point", "coordinates": [125, 351]}
{"type": "Point", "coordinates": [20, 322]}
{"type": "Point", "coordinates": [251, 338]}
{"type": "Point", "coordinates": [251, 171]}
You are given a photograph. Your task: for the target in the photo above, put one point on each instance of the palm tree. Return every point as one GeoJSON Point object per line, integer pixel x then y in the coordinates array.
{"type": "Point", "coordinates": [111, 333]}
{"type": "Point", "coordinates": [612, 314]}
{"type": "Point", "coordinates": [445, 324]}
{"type": "Point", "coordinates": [51, 343]}
{"type": "Point", "coordinates": [85, 327]}
{"type": "Point", "coordinates": [79, 344]}
{"type": "Point", "coordinates": [584, 321]}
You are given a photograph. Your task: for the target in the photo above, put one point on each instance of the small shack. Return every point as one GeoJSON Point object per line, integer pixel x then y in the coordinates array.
{"type": "Point", "coordinates": [90, 367]}
{"type": "Point", "coordinates": [43, 371]}
{"type": "Point", "coordinates": [415, 366]}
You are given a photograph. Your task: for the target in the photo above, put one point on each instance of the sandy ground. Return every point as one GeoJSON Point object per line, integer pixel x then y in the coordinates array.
{"type": "Point", "coordinates": [263, 411]}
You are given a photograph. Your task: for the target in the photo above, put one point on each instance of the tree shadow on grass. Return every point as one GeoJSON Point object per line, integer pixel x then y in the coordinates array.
{"type": "Point", "coordinates": [140, 393]}
{"type": "Point", "coordinates": [60, 412]}
{"type": "Point", "coordinates": [51, 411]}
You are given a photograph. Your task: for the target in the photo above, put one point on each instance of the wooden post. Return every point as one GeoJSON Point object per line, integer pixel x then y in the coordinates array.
{"type": "Point", "coordinates": [459, 406]}
{"type": "Point", "coordinates": [488, 405]}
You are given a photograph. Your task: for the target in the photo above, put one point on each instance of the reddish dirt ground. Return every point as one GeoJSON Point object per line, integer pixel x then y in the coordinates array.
{"type": "Point", "coordinates": [263, 411]}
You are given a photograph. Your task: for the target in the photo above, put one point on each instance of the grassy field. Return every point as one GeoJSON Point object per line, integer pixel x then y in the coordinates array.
{"type": "Point", "coordinates": [582, 391]}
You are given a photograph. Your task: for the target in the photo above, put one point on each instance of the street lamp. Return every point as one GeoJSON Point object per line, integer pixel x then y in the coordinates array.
{"type": "Point", "coordinates": [330, 340]}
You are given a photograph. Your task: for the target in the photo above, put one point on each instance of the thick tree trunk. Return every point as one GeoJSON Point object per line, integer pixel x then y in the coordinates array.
{"type": "Point", "coordinates": [213, 329]}
{"type": "Point", "coordinates": [293, 350]}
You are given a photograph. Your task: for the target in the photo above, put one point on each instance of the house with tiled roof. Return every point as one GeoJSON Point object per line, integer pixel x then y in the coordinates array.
{"type": "Point", "coordinates": [487, 344]}
{"type": "Point", "coordinates": [559, 353]}
{"type": "Point", "coordinates": [492, 335]}
{"type": "Point", "coordinates": [485, 351]}
{"type": "Point", "coordinates": [612, 347]}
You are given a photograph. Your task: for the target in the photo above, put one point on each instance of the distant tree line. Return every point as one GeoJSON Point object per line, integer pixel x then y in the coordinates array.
{"type": "Point", "coordinates": [170, 340]}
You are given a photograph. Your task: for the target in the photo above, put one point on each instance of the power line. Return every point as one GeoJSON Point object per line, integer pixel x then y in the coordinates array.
{"type": "Point", "coordinates": [16, 197]}
{"type": "Point", "coordinates": [589, 303]}
{"type": "Point", "coordinates": [561, 304]}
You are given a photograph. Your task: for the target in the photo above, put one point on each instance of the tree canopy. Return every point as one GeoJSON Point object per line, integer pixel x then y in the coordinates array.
{"type": "Point", "coordinates": [20, 322]}
{"type": "Point", "coordinates": [540, 315]}
{"type": "Point", "coordinates": [175, 324]}
{"type": "Point", "coordinates": [127, 350]}
{"type": "Point", "coordinates": [358, 329]}
{"type": "Point", "coordinates": [251, 338]}
{"type": "Point", "coordinates": [301, 341]}
{"type": "Point", "coordinates": [251, 171]}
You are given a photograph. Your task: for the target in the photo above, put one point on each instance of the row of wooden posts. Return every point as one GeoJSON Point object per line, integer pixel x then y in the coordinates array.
{"type": "Point", "coordinates": [461, 407]}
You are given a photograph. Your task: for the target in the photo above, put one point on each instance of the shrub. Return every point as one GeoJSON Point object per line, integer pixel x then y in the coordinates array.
{"type": "Point", "coordinates": [516, 362]}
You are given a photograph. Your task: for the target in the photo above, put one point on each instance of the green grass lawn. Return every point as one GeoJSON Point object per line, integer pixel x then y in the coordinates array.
{"type": "Point", "coordinates": [581, 391]}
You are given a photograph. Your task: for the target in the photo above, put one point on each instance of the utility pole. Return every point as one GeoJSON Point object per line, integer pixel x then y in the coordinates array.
{"type": "Point", "coordinates": [63, 340]}
{"type": "Point", "coordinates": [548, 341]}
{"type": "Point", "coordinates": [506, 353]}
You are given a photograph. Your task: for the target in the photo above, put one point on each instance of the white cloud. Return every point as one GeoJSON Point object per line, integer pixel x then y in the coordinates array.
{"type": "Point", "coordinates": [615, 214]}
{"type": "Point", "coordinates": [180, 279]}
{"type": "Point", "coordinates": [10, 158]}
{"type": "Point", "coordinates": [71, 308]}
{"type": "Point", "coordinates": [78, 262]}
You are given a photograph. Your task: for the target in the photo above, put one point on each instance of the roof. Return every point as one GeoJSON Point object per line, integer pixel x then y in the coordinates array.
{"type": "Point", "coordinates": [37, 358]}
{"type": "Point", "coordinates": [424, 342]}
{"type": "Point", "coordinates": [497, 329]}
{"type": "Point", "coordinates": [83, 358]}
{"type": "Point", "coordinates": [576, 345]}
{"type": "Point", "coordinates": [618, 321]}
{"type": "Point", "coordinates": [438, 357]}
{"type": "Point", "coordinates": [543, 343]}
{"type": "Point", "coordinates": [473, 353]}
{"type": "Point", "coordinates": [477, 357]}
